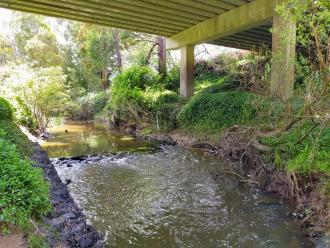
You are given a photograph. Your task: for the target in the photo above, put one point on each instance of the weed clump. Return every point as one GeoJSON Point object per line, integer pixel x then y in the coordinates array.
{"type": "Point", "coordinates": [139, 96]}
{"type": "Point", "coordinates": [23, 191]}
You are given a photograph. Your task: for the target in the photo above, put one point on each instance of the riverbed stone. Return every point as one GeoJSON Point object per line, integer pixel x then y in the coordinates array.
{"type": "Point", "coordinates": [65, 217]}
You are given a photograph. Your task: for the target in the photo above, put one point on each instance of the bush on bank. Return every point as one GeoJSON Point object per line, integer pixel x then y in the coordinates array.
{"type": "Point", "coordinates": [294, 151]}
{"type": "Point", "coordinates": [6, 111]}
{"type": "Point", "coordinates": [139, 96]}
{"type": "Point", "coordinates": [213, 110]}
{"type": "Point", "coordinates": [10, 132]}
{"type": "Point", "coordinates": [24, 193]}
{"type": "Point", "coordinates": [23, 190]}
{"type": "Point", "coordinates": [87, 106]}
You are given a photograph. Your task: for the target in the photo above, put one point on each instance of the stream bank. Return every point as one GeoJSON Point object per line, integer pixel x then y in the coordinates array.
{"type": "Point", "coordinates": [130, 173]}
{"type": "Point", "coordinates": [66, 218]}
{"type": "Point", "coordinates": [311, 208]}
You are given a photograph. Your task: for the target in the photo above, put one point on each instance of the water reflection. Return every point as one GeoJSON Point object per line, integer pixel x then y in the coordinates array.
{"type": "Point", "coordinates": [83, 138]}
{"type": "Point", "coordinates": [169, 199]}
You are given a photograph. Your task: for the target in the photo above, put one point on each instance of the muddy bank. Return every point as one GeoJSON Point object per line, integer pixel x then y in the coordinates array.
{"type": "Point", "coordinates": [66, 218]}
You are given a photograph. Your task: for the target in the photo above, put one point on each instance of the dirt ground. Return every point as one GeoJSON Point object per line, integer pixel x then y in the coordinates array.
{"type": "Point", "coordinates": [14, 240]}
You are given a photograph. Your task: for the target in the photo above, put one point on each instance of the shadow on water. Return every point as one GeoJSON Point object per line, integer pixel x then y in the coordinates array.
{"type": "Point", "coordinates": [170, 198]}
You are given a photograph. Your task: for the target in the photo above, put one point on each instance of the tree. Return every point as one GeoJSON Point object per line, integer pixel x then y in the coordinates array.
{"type": "Point", "coordinates": [161, 55]}
{"type": "Point", "coordinates": [116, 37]}
{"type": "Point", "coordinates": [6, 50]}
{"type": "Point", "coordinates": [45, 95]}
{"type": "Point", "coordinates": [24, 27]}
{"type": "Point", "coordinates": [43, 50]}
{"type": "Point", "coordinates": [95, 55]}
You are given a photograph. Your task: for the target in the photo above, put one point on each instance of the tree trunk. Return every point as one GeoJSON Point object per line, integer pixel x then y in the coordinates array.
{"type": "Point", "coordinates": [104, 77]}
{"type": "Point", "coordinates": [116, 38]}
{"type": "Point", "coordinates": [161, 55]}
{"type": "Point", "coordinates": [147, 60]}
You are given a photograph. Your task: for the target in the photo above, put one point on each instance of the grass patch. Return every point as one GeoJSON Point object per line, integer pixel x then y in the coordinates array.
{"type": "Point", "coordinates": [293, 152]}
{"type": "Point", "coordinates": [213, 110]}
{"type": "Point", "coordinates": [10, 132]}
{"type": "Point", "coordinates": [36, 241]}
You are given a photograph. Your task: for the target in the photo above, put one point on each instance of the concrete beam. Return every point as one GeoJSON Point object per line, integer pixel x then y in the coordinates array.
{"type": "Point", "coordinates": [233, 21]}
{"type": "Point", "coordinates": [283, 57]}
{"type": "Point", "coordinates": [187, 71]}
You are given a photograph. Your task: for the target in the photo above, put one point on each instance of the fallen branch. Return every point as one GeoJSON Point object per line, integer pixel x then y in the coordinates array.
{"type": "Point", "coordinates": [261, 147]}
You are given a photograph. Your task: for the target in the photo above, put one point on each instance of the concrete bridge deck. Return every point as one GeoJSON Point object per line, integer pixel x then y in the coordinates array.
{"type": "Point", "coordinates": [241, 24]}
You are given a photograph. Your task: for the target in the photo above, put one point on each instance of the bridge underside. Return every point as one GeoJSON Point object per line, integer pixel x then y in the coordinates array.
{"type": "Point", "coordinates": [254, 38]}
{"type": "Point", "coordinates": [241, 24]}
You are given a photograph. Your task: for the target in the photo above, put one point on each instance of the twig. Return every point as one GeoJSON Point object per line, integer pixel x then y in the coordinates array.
{"type": "Point", "coordinates": [307, 133]}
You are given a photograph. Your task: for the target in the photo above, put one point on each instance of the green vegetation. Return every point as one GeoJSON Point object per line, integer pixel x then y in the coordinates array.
{"type": "Point", "coordinates": [87, 106]}
{"type": "Point", "coordinates": [116, 75]}
{"type": "Point", "coordinates": [212, 110]}
{"type": "Point", "coordinates": [24, 193]}
{"type": "Point", "coordinates": [304, 149]}
{"type": "Point", "coordinates": [36, 241]}
{"type": "Point", "coordinates": [139, 96]}
{"type": "Point", "coordinates": [10, 132]}
{"type": "Point", "coordinates": [6, 111]}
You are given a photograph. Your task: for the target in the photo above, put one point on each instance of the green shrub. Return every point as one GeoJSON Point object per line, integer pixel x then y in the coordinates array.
{"type": "Point", "coordinates": [100, 101]}
{"type": "Point", "coordinates": [309, 160]}
{"type": "Point", "coordinates": [209, 84]}
{"type": "Point", "coordinates": [162, 106]}
{"type": "Point", "coordinates": [10, 132]}
{"type": "Point", "coordinates": [6, 111]}
{"type": "Point", "coordinates": [23, 190]}
{"type": "Point", "coordinates": [136, 77]}
{"type": "Point", "coordinates": [310, 154]}
{"type": "Point", "coordinates": [85, 107]}
{"type": "Point", "coordinates": [172, 79]}
{"type": "Point", "coordinates": [127, 100]}
{"type": "Point", "coordinates": [212, 110]}
{"type": "Point", "coordinates": [24, 115]}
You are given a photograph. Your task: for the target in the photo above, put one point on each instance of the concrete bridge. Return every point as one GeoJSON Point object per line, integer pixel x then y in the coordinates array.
{"type": "Point", "coordinates": [241, 24]}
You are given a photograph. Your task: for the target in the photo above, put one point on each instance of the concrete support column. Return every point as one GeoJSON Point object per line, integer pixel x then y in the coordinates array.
{"type": "Point", "coordinates": [283, 57]}
{"type": "Point", "coordinates": [161, 55]}
{"type": "Point", "coordinates": [187, 71]}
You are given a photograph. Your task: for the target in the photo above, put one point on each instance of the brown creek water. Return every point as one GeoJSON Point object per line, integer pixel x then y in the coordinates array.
{"type": "Point", "coordinates": [166, 197]}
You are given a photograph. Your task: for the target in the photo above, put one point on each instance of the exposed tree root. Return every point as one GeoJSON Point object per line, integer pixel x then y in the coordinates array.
{"type": "Point", "coordinates": [312, 207]}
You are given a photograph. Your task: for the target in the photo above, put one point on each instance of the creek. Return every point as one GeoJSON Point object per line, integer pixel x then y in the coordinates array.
{"type": "Point", "coordinates": [145, 194]}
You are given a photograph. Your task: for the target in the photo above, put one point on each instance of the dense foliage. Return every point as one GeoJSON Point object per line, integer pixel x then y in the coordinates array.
{"type": "Point", "coordinates": [23, 190]}
{"type": "Point", "coordinates": [10, 132]}
{"type": "Point", "coordinates": [138, 96]}
{"type": "Point", "coordinates": [85, 107]}
{"type": "Point", "coordinates": [104, 72]}
{"type": "Point", "coordinates": [37, 94]}
{"type": "Point", "coordinates": [6, 112]}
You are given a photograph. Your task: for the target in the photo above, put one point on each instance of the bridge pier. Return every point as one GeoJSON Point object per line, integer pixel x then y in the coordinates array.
{"type": "Point", "coordinates": [187, 71]}
{"type": "Point", "coordinates": [283, 57]}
